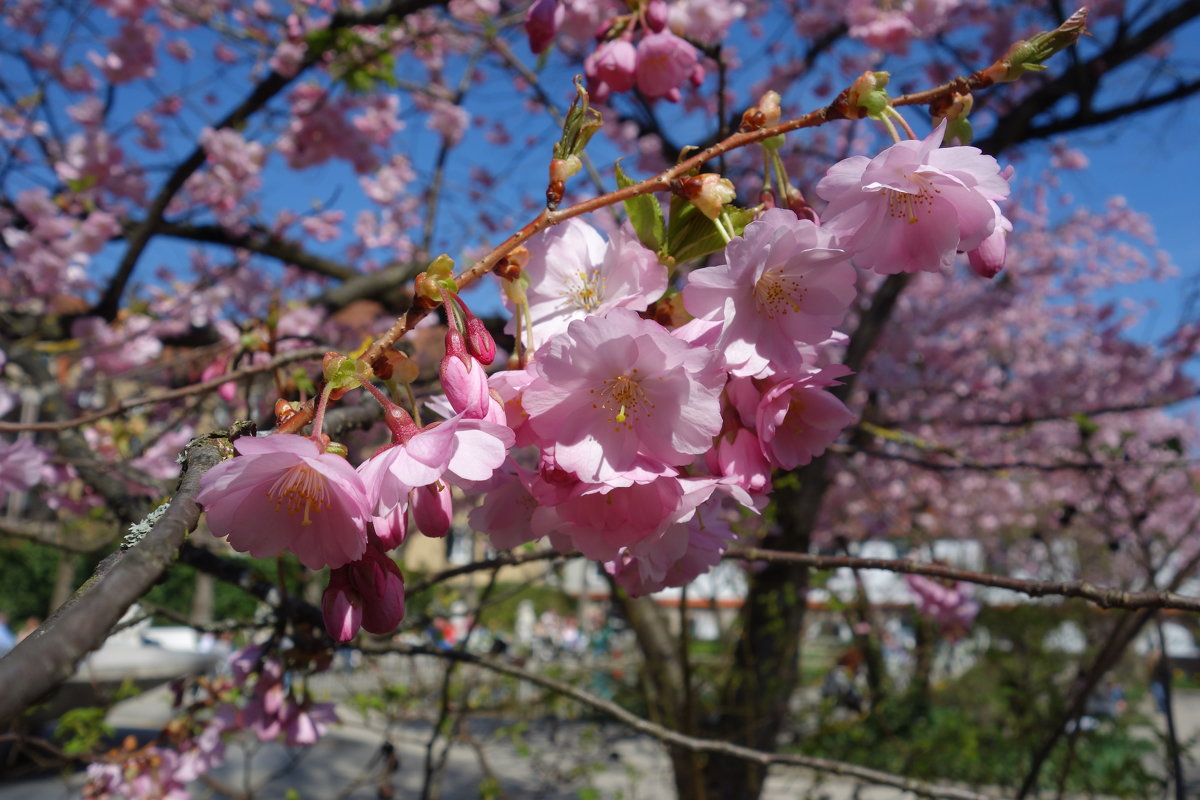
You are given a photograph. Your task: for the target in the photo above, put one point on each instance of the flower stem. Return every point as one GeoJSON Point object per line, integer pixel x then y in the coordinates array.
{"type": "Point", "coordinates": [319, 415]}
{"type": "Point", "coordinates": [721, 228]}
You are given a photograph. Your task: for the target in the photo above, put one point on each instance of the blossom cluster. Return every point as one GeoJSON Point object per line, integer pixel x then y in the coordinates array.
{"type": "Point", "coordinates": [254, 697]}
{"type": "Point", "coordinates": [627, 431]}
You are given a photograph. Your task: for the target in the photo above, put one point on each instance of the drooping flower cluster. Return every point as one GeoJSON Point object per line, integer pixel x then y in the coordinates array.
{"type": "Point", "coordinates": [635, 431]}
{"type": "Point", "coordinates": [634, 435]}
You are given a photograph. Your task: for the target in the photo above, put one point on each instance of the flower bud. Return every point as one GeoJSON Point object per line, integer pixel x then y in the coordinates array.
{"type": "Point", "coordinates": [708, 192]}
{"type": "Point", "coordinates": [954, 110]}
{"type": "Point", "coordinates": [341, 606]}
{"type": "Point", "coordinates": [285, 411]}
{"type": "Point", "coordinates": [433, 509]}
{"type": "Point", "coordinates": [479, 340]}
{"type": "Point", "coordinates": [456, 346]}
{"type": "Point", "coordinates": [656, 15]}
{"type": "Point", "coordinates": [1027, 56]}
{"type": "Point", "coordinates": [867, 94]}
{"type": "Point", "coordinates": [466, 386]}
{"type": "Point", "coordinates": [541, 24]}
{"type": "Point", "coordinates": [561, 169]}
{"type": "Point", "coordinates": [381, 586]}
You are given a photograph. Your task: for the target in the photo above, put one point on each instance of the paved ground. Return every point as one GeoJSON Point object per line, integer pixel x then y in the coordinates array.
{"type": "Point", "coordinates": [549, 761]}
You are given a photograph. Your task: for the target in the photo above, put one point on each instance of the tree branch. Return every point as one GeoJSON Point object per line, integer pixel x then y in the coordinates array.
{"type": "Point", "coordinates": [257, 240]}
{"type": "Point", "coordinates": [675, 739]}
{"type": "Point", "coordinates": [50, 655]}
{"type": "Point", "coordinates": [164, 397]}
{"type": "Point", "coordinates": [262, 94]}
{"type": "Point", "coordinates": [1099, 595]}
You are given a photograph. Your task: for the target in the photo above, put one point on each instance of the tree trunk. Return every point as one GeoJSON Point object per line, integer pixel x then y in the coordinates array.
{"type": "Point", "coordinates": [203, 598]}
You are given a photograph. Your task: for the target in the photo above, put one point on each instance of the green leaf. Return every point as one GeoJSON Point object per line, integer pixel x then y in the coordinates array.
{"type": "Point", "coordinates": [645, 214]}
{"type": "Point", "coordinates": [690, 234]}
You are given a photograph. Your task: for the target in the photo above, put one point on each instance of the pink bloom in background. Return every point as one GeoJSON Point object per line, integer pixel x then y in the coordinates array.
{"type": "Point", "coordinates": [664, 63]}
{"type": "Point", "coordinates": [784, 284]}
{"type": "Point", "coordinates": [914, 206]}
{"type": "Point", "coordinates": [541, 24]}
{"type": "Point", "coordinates": [572, 273]}
{"type": "Point", "coordinates": [705, 21]}
{"type": "Point", "coordinates": [282, 493]}
{"type": "Point", "coordinates": [616, 389]}
{"type": "Point", "coordinates": [21, 465]}
{"type": "Point", "coordinates": [117, 347]}
{"type": "Point", "coordinates": [449, 120]}
{"type": "Point", "coordinates": [611, 68]}
{"type": "Point", "coordinates": [952, 607]}
{"type": "Point", "coordinates": [305, 725]}
{"type": "Point", "coordinates": [798, 419]}
{"type": "Point", "coordinates": [131, 53]}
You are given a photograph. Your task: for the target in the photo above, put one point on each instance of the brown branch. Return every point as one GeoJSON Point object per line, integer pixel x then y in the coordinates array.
{"type": "Point", "coordinates": [258, 98]}
{"type": "Point", "coordinates": [680, 740]}
{"type": "Point", "coordinates": [1099, 595]}
{"type": "Point", "coordinates": [56, 534]}
{"type": "Point", "coordinates": [49, 656]}
{"type": "Point", "coordinates": [497, 561]}
{"type": "Point", "coordinates": [1006, 466]}
{"type": "Point", "coordinates": [164, 397]}
{"type": "Point", "coordinates": [257, 240]}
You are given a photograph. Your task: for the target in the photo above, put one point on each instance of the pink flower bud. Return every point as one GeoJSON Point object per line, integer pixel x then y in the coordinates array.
{"type": "Point", "coordinates": [988, 259]}
{"type": "Point", "coordinates": [466, 386]}
{"type": "Point", "coordinates": [456, 345]}
{"type": "Point", "coordinates": [541, 24]}
{"type": "Point", "coordinates": [341, 606]}
{"type": "Point", "coordinates": [433, 509]}
{"type": "Point", "coordinates": [382, 587]}
{"type": "Point", "coordinates": [479, 340]}
{"type": "Point", "coordinates": [656, 15]}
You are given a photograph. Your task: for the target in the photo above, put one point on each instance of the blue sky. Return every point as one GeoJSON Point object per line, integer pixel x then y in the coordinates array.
{"type": "Point", "coordinates": [1150, 160]}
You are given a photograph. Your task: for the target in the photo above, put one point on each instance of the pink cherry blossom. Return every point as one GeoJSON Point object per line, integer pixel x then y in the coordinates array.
{"type": "Point", "coordinates": [914, 205]}
{"type": "Point", "coordinates": [664, 63]}
{"type": "Point", "coordinates": [611, 68]}
{"type": "Point", "coordinates": [784, 284]}
{"type": "Point", "coordinates": [798, 419]}
{"type": "Point", "coordinates": [284, 494]}
{"type": "Point", "coordinates": [505, 515]}
{"type": "Point", "coordinates": [614, 389]}
{"type": "Point", "coordinates": [572, 273]}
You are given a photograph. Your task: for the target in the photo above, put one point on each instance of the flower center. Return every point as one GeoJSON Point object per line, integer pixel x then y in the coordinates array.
{"type": "Point", "coordinates": [624, 398]}
{"type": "Point", "coordinates": [585, 290]}
{"type": "Point", "coordinates": [909, 204]}
{"type": "Point", "coordinates": [300, 489]}
{"type": "Point", "coordinates": [776, 293]}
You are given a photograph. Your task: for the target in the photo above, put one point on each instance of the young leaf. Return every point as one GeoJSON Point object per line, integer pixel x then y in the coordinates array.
{"type": "Point", "coordinates": [645, 214]}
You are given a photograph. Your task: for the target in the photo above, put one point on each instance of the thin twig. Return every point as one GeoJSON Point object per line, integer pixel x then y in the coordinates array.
{"type": "Point", "coordinates": [676, 739]}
